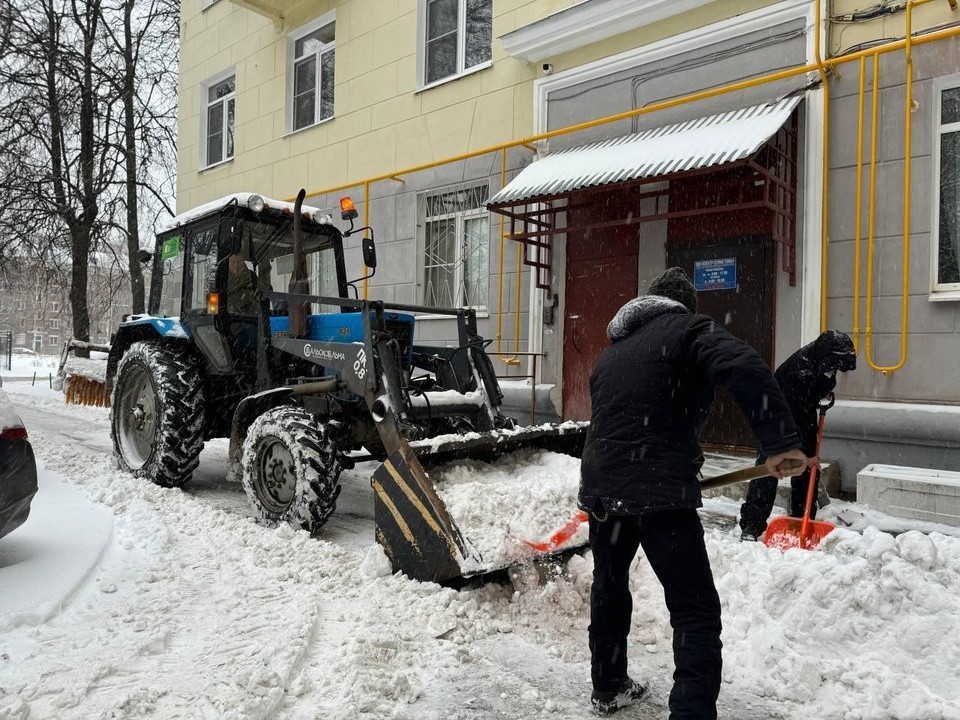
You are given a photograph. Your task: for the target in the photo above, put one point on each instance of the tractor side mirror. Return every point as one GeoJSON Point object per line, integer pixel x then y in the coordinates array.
{"type": "Point", "coordinates": [144, 256]}
{"type": "Point", "coordinates": [369, 253]}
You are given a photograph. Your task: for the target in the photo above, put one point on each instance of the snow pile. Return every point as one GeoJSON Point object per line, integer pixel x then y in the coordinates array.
{"type": "Point", "coordinates": [8, 415]}
{"type": "Point", "coordinates": [527, 494]}
{"type": "Point", "coordinates": [195, 611]}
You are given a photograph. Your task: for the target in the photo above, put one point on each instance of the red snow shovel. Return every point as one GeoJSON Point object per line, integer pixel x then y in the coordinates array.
{"type": "Point", "coordinates": [559, 537]}
{"type": "Point", "coordinates": [787, 532]}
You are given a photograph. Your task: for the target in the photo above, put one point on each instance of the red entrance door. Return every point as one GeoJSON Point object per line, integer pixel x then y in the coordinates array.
{"type": "Point", "coordinates": [601, 275]}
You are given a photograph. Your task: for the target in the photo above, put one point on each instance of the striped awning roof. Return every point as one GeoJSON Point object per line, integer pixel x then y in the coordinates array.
{"type": "Point", "coordinates": [701, 143]}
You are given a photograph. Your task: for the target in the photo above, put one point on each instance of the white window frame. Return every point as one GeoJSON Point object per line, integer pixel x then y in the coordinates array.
{"type": "Point", "coordinates": [939, 290]}
{"type": "Point", "coordinates": [54, 306]}
{"type": "Point", "coordinates": [54, 323]}
{"type": "Point", "coordinates": [53, 340]}
{"type": "Point", "coordinates": [204, 107]}
{"type": "Point", "coordinates": [461, 218]}
{"type": "Point", "coordinates": [329, 18]}
{"type": "Point", "coordinates": [422, 83]}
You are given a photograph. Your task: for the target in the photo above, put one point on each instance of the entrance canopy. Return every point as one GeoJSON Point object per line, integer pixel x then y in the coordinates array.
{"type": "Point", "coordinates": [696, 144]}
{"type": "Point", "coordinates": [744, 161]}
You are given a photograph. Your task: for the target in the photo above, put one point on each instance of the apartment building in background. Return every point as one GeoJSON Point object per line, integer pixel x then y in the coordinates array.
{"type": "Point", "coordinates": [35, 305]}
{"type": "Point", "coordinates": [395, 101]}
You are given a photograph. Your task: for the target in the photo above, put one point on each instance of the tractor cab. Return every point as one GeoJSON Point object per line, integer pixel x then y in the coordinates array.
{"type": "Point", "coordinates": [212, 268]}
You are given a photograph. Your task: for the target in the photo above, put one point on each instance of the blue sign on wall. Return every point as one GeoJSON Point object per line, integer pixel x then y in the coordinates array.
{"type": "Point", "coordinates": [719, 274]}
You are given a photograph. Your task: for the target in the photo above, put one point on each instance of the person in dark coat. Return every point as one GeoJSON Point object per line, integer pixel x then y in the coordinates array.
{"type": "Point", "coordinates": [651, 392]}
{"type": "Point", "coordinates": [806, 377]}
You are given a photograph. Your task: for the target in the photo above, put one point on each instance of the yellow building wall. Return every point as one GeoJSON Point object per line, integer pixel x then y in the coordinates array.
{"type": "Point", "coordinates": [846, 37]}
{"type": "Point", "coordinates": [382, 123]}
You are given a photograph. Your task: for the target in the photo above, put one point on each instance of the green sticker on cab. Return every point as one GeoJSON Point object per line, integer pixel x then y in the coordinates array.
{"type": "Point", "coordinates": [171, 248]}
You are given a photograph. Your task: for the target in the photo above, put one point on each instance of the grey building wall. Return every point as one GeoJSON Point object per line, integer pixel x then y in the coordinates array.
{"type": "Point", "coordinates": [934, 340]}
{"type": "Point", "coordinates": [910, 417]}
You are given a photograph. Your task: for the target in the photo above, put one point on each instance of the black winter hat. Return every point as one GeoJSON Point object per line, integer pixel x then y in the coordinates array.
{"type": "Point", "coordinates": [674, 284]}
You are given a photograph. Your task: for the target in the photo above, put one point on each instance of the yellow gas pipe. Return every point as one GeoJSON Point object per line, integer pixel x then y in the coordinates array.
{"type": "Point", "coordinates": [513, 359]}
{"type": "Point", "coordinates": [875, 102]}
{"type": "Point", "coordinates": [905, 270]}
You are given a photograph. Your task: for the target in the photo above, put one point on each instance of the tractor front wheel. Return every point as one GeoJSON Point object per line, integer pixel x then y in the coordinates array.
{"type": "Point", "coordinates": [290, 469]}
{"type": "Point", "coordinates": [157, 413]}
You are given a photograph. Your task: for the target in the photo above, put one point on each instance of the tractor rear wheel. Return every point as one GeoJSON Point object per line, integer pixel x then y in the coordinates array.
{"type": "Point", "coordinates": [157, 413]}
{"type": "Point", "coordinates": [290, 469]}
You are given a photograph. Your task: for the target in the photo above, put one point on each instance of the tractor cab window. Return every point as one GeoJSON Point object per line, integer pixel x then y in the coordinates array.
{"type": "Point", "coordinates": [265, 263]}
{"type": "Point", "coordinates": [171, 276]}
{"type": "Point", "coordinates": [242, 282]}
{"type": "Point", "coordinates": [203, 266]}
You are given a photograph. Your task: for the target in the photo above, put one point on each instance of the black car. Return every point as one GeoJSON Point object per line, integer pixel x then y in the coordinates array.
{"type": "Point", "coordinates": [18, 470]}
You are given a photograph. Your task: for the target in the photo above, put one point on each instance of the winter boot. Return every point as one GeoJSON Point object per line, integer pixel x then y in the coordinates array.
{"type": "Point", "coordinates": [606, 704]}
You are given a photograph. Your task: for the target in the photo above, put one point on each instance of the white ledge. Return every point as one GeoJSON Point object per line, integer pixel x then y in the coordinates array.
{"type": "Point", "coordinates": [587, 23]}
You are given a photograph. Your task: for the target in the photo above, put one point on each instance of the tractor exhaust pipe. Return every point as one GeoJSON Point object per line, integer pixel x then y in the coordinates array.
{"type": "Point", "coordinates": [299, 285]}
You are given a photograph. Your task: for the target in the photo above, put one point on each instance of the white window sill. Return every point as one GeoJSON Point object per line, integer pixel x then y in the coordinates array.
{"type": "Point", "coordinates": [944, 296]}
{"type": "Point", "coordinates": [215, 165]}
{"type": "Point", "coordinates": [207, 4]}
{"type": "Point", "coordinates": [451, 78]}
{"type": "Point", "coordinates": [481, 314]}
{"type": "Point", "coordinates": [309, 127]}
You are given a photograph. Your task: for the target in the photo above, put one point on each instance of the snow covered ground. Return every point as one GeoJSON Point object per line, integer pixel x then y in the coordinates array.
{"type": "Point", "coordinates": [25, 365]}
{"type": "Point", "coordinates": [174, 604]}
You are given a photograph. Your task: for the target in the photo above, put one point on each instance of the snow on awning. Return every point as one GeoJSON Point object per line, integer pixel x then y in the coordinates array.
{"type": "Point", "coordinates": [696, 144]}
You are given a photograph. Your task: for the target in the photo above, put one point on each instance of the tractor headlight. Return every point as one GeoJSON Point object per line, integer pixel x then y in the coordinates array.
{"type": "Point", "coordinates": [320, 217]}
{"type": "Point", "coordinates": [255, 203]}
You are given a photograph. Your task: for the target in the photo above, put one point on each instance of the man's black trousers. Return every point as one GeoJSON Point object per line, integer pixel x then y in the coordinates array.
{"type": "Point", "coordinates": [673, 543]}
{"type": "Point", "coordinates": [761, 495]}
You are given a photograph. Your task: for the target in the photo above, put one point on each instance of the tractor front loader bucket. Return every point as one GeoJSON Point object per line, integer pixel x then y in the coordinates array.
{"type": "Point", "coordinates": [413, 524]}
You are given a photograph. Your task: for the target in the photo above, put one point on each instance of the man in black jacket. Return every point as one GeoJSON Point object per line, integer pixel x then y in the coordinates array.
{"type": "Point", "coordinates": [651, 392]}
{"type": "Point", "coordinates": [806, 377]}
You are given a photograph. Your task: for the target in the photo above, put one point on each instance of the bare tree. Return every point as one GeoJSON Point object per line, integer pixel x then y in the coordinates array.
{"type": "Point", "coordinates": [146, 43]}
{"type": "Point", "coordinates": [87, 138]}
{"type": "Point", "coordinates": [62, 121]}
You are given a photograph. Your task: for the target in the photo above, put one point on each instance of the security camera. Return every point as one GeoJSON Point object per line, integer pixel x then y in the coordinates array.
{"type": "Point", "coordinates": [547, 69]}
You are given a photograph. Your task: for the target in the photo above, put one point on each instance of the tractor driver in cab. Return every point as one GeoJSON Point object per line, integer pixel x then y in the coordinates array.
{"type": "Point", "coordinates": [243, 297]}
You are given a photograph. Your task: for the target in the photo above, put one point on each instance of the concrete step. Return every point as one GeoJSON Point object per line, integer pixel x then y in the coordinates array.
{"type": "Point", "coordinates": [912, 493]}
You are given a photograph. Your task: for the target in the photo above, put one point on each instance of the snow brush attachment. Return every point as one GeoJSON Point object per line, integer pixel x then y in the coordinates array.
{"type": "Point", "coordinates": [413, 524]}
{"type": "Point", "coordinates": [83, 380]}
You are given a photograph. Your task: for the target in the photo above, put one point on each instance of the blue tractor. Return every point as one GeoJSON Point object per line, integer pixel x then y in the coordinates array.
{"type": "Point", "coordinates": [255, 334]}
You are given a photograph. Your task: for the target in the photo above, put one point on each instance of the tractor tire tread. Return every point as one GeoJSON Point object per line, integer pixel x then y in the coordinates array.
{"type": "Point", "coordinates": [178, 382]}
{"type": "Point", "coordinates": [315, 458]}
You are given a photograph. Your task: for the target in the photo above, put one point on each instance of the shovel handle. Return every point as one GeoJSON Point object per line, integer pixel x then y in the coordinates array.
{"type": "Point", "coordinates": [787, 467]}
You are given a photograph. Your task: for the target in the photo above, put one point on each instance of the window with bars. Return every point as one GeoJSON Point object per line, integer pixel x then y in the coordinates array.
{"type": "Point", "coordinates": [310, 73]}
{"type": "Point", "coordinates": [219, 106]}
{"type": "Point", "coordinates": [946, 245]}
{"type": "Point", "coordinates": [457, 36]}
{"type": "Point", "coordinates": [455, 247]}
